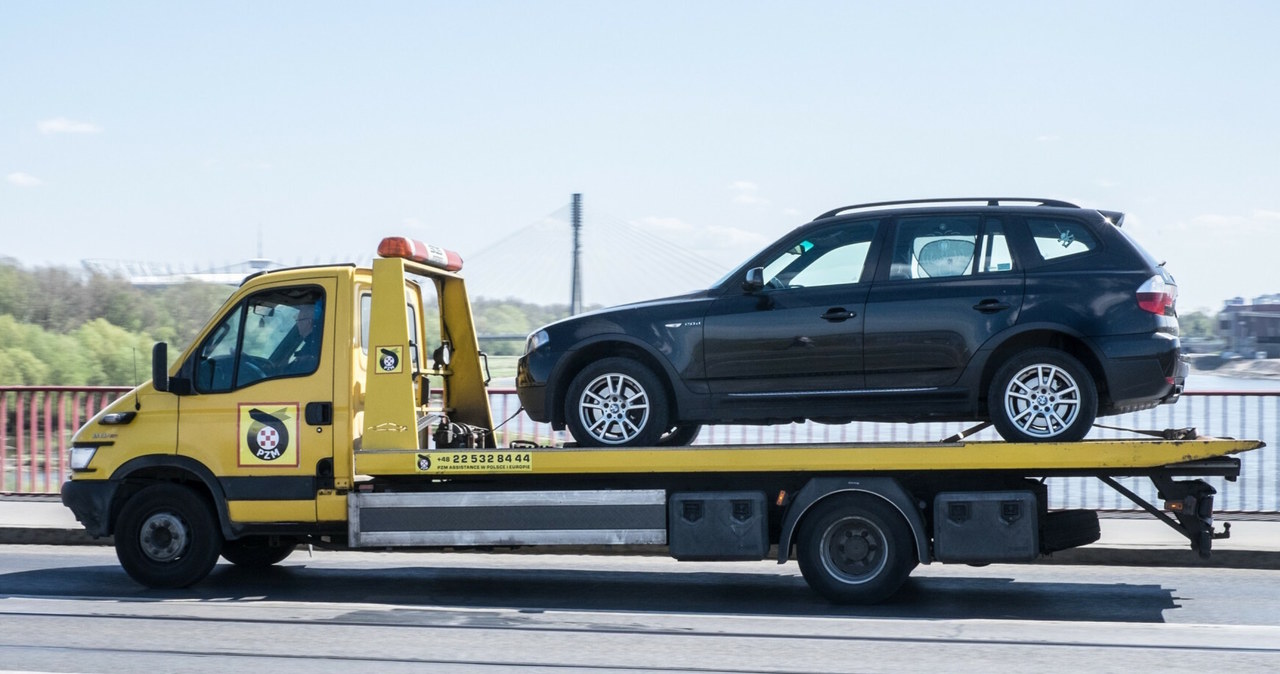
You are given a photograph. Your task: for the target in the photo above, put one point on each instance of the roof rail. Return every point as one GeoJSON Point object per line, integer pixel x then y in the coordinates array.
{"type": "Point", "coordinates": [990, 201]}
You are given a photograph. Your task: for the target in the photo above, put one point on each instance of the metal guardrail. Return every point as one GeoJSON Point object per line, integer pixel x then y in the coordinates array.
{"type": "Point", "coordinates": [36, 424]}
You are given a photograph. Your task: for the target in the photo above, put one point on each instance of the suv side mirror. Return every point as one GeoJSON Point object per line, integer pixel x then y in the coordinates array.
{"type": "Point", "coordinates": [160, 367]}
{"type": "Point", "coordinates": [754, 279]}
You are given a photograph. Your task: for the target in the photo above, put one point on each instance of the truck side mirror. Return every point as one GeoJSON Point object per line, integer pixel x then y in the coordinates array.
{"type": "Point", "coordinates": [754, 280]}
{"type": "Point", "coordinates": [160, 367]}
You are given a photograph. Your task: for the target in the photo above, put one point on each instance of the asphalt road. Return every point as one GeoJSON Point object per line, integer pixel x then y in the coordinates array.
{"type": "Point", "coordinates": [73, 609]}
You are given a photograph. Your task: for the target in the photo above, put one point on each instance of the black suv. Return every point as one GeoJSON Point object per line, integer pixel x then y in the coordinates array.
{"type": "Point", "coordinates": [1035, 314]}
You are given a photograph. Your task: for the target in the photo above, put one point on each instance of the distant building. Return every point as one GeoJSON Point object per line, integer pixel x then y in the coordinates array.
{"type": "Point", "coordinates": [1251, 328]}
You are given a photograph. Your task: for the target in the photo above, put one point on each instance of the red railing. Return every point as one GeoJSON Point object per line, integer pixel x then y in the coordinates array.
{"type": "Point", "coordinates": [37, 422]}
{"type": "Point", "coordinates": [36, 425]}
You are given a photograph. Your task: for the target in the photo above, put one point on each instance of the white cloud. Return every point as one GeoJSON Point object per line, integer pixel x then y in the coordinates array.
{"type": "Point", "coordinates": [746, 192]}
{"type": "Point", "coordinates": [24, 179]}
{"type": "Point", "coordinates": [64, 125]}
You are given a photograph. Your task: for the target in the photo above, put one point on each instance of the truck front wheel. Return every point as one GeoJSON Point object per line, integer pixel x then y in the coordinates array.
{"type": "Point", "coordinates": [855, 549]}
{"type": "Point", "coordinates": [167, 537]}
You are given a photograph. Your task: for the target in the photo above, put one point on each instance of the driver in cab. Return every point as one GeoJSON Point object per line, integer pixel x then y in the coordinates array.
{"type": "Point", "coordinates": [305, 356]}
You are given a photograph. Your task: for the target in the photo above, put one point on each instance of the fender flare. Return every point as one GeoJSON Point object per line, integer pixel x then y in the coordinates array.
{"type": "Point", "coordinates": [206, 476]}
{"type": "Point", "coordinates": [558, 382]}
{"type": "Point", "coordinates": [884, 488]}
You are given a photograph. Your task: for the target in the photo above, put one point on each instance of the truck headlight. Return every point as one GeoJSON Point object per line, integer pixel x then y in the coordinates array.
{"type": "Point", "coordinates": [81, 456]}
{"type": "Point", "coordinates": [536, 341]}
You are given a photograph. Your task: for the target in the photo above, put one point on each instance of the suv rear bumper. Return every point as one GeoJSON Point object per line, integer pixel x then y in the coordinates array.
{"type": "Point", "coordinates": [1141, 371]}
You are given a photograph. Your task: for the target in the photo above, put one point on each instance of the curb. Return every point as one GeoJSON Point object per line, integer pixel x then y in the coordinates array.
{"type": "Point", "coordinates": [49, 536]}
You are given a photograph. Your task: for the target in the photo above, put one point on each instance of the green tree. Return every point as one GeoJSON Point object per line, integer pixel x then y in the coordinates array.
{"type": "Point", "coordinates": [1197, 324]}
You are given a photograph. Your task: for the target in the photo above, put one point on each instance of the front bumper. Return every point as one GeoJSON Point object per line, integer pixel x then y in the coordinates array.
{"type": "Point", "coordinates": [90, 501]}
{"type": "Point", "coordinates": [533, 372]}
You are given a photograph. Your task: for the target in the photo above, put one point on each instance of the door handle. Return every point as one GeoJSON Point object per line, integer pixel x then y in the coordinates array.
{"type": "Point", "coordinates": [837, 314]}
{"type": "Point", "coordinates": [990, 306]}
{"type": "Point", "coordinates": [319, 414]}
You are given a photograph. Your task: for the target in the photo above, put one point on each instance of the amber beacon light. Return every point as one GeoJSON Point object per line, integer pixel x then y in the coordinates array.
{"type": "Point", "coordinates": [417, 251]}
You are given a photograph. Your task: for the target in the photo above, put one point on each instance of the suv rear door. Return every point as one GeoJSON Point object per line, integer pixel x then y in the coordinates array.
{"type": "Point", "coordinates": [947, 283]}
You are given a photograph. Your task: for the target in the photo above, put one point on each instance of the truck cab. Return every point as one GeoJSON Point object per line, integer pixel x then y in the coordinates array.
{"type": "Point", "coordinates": [263, 416]}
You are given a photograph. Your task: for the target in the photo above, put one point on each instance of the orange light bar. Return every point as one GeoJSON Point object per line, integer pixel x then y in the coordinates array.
{"type": "Point", "coordinates": [410, 249]}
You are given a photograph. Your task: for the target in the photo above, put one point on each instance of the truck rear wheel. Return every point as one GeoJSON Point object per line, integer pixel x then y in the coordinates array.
{"type": "Point", "coordinates": [258, 552]}
{"type": "Point", "coordinates": [167, 537]}
{"type": "Point", "coordinates": [855, 549]}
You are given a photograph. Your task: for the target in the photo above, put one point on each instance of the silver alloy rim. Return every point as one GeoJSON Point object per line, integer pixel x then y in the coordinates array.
{"type": "Point", "coordinates": [854, 550]}
{"type": "Point", "coordinates": [614, 408]}
{"type": "Point", "coordinates": [164, 537]}
{"type": "Point", "coordinates": [1042, 400]}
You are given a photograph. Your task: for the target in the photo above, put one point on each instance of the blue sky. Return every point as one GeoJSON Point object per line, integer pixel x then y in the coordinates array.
{"type": "Point", "coordinates": [179, 131]}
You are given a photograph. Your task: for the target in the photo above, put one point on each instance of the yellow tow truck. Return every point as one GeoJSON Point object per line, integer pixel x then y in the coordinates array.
{"type": "Point", "coordinates": [346, 407]}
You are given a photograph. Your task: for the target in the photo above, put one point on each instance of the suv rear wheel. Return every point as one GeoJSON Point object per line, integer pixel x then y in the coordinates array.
{"type": "Point", "coordinates": [1043, 395]}
{"type": "Point", "coordinates": [616, 402]}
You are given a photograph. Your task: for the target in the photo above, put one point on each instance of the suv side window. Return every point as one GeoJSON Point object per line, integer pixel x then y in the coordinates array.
{"type": "Point", "coordinates": [934, 246]}
{"type": "Point", "coordinates": [272, 334]}
{"type": "Point", "coordinates": [828, 257]}
{"type": "Point", "coordinates": [1058, 238]}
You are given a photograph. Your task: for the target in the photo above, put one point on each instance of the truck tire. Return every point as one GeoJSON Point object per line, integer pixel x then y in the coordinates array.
{"type": "Point", "coordinates": [616, 402]}
{"type": "Point", "coordinates": [257, 552]}
{"type": "Point", "coordinates": [855, 549]}
{"type": "Point", "coordinates": [167, 536]}
{"type": "Point", "coordinates": [1042, 395]}
{"type": "Point", "coordinates": [1066, 529]}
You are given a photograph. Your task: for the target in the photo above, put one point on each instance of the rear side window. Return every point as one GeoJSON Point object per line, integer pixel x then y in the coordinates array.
{"type": "Point", "coordinates": [940, 246]}
{"type": "Point", "coordinates": [1058, 238]}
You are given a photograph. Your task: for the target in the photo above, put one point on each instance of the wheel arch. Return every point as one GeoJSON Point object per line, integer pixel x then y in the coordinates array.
{"type": "Point", "coordinates": [608, 346]}
{"type": "Point", "coordinates": [820, 489]}
{"type": "Point", "coordinates": [1075, 345]}
{"type": "Point", "coordinates": [138, 473]}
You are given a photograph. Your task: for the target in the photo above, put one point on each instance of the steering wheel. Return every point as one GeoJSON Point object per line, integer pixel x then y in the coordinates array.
{"type": "Point", "coordinates": [255, 368]}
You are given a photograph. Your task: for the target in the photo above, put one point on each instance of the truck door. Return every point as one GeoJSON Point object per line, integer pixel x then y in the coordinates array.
{"type": "Point", "coordinates": [261, 410]}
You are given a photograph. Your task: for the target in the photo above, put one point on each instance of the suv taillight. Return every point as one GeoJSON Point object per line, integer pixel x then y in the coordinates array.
{"type": "Point", "coordinates": [1157, 296]}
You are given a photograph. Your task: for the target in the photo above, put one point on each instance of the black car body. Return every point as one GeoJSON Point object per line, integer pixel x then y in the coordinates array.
{"type": "Point", "coordinates": [1037, 316]}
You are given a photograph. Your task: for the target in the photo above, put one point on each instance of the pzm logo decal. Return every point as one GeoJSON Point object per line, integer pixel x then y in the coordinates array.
{"type": "Point", "coordinates": [267, 437]}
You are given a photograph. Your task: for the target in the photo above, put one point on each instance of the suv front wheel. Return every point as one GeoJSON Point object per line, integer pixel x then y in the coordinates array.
{"type": "Point", "coordinates": [616, 402]}
{"type": "Point", "coordinates": [1042, 395]}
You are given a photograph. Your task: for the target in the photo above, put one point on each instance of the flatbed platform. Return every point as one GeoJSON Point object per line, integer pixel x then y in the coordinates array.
{"type": "Point", "coordinates": [1094, 457]}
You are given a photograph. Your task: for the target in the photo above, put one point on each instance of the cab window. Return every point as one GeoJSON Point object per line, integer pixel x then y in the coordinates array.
{"type": "Point", "coordinates": [272, 334]}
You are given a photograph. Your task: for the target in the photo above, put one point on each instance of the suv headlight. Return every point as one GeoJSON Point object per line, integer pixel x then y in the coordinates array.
{"type": "Point", "coordinates": [81, 456]}
{"type": "Point", "coordinates": [536, 341]}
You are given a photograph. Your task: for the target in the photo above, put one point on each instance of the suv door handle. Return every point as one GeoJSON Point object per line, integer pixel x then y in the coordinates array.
{"type": "Point", "coordinates": [837, 314]}
{"type": "Point", "coordinates": [990, 306]}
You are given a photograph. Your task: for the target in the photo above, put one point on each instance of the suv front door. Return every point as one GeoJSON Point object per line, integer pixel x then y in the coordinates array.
{"type": "Point", "coordinates": [801, 334]}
